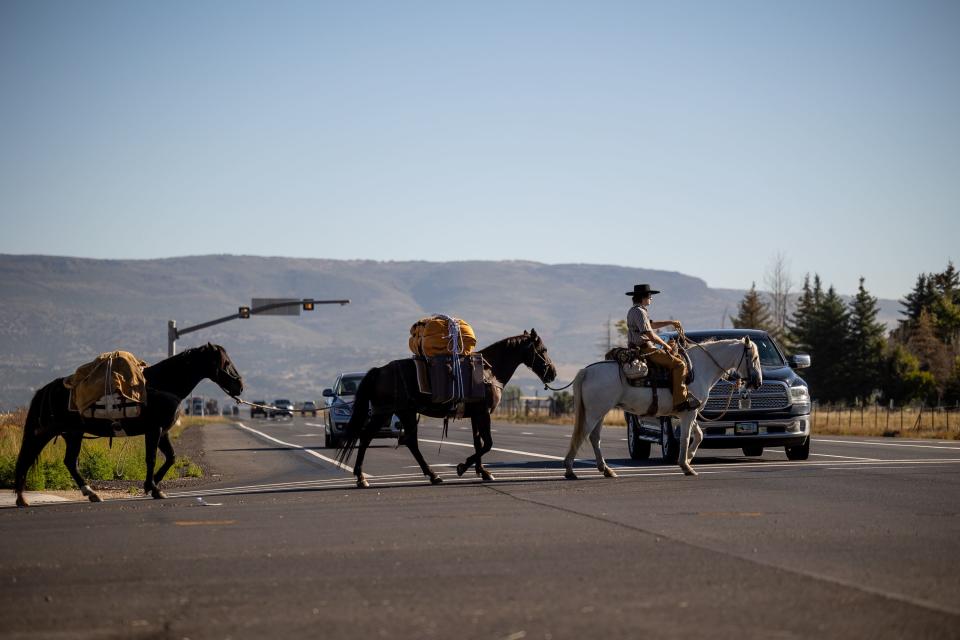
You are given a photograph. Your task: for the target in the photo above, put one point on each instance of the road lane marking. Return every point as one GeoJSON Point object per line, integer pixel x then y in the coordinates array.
{"type": "Point", "coordinates": [345, 467]}
{"type": "Point", "coordinates": [527, 433]}
{"type": "Point", "coordinates": [887, 444]}
{"type": "Point", "coordinates": [513, 451]}
{"type": "Point", "coordinates": [203, 523]}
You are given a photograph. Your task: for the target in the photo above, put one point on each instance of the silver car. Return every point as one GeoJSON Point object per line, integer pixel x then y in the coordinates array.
{"type": "Point", "coordinates": [339, 400]}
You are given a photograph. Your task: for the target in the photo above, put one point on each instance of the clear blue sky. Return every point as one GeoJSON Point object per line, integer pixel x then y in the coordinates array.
{"type": "Point", "coordinates": [700, 137]}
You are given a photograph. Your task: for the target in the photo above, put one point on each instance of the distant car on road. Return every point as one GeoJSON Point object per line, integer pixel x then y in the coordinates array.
{"type": "Point", "coordinates": [282, 408]}
{"type": "Point", "coordinates": [310, 407]}
{"type": "Point", "coordinates": [339, 399]}
{"type": "Point", "coordinates": [258, 411]}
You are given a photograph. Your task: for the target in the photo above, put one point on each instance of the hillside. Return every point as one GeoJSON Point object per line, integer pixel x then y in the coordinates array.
{"type": "Point", "coordinates": [59, 312]}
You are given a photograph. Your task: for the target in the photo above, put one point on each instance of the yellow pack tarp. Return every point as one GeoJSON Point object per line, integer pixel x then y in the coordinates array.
{"type": "Point", "coordinates": [442, 336]}
{"type": "Point", "coordinates": [116, 372]}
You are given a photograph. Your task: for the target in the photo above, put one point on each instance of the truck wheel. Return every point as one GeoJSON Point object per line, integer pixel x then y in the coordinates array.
{"type": "Point", "coordinates": [753, 451]}
{"type": "Point", "coordinates": [800, 451]}
{"type": "Point", "coordinates": [669, 446]}
{"type": "Point", "coordinates": [639, 449]}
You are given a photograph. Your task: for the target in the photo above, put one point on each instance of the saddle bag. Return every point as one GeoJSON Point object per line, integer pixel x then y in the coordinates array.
{"type": "Point", "coordinates": [113, 407]}
{"type": "Point", "coordinates": [456, 378]}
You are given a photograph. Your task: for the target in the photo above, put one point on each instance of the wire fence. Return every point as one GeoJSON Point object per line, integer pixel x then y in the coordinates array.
{"type": "Point", "coordinates": [886, 420]}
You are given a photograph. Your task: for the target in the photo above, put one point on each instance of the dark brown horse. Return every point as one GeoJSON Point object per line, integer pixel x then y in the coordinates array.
{"type": "Point", "coordinates": [392, 389]}
{"type": "Point", "coordinates": [168, 383]}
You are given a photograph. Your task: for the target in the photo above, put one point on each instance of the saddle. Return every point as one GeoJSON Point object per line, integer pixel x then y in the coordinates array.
{"type": "Point", "coordinates": [453, 380]}
{"type": "Point", "coordinates": [111, 387]}
{"type": "Point", "coordinates": [640, 372]}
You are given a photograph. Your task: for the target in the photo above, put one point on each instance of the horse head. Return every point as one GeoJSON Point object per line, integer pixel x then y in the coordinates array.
{"type": "Point", "coordinates": [222, 370]}
{"type": "Point", "coordinates": [539, 362]}
{"type": "Point", "coordinates": [748, 366]}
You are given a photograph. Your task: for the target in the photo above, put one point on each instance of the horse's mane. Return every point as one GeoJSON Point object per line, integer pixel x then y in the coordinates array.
{"type": "Point", "coordinates": [512, 341]}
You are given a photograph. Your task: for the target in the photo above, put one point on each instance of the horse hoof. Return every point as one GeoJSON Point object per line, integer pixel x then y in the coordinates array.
{"type": "Point", "coordinates": [461, 469]}
{"type": "Point", "coordinates": [363, 484]}
{"type": "Point", "coordinates": [158, 495]}
{"type": "Point", "coordinates": [90, 494]}
{"type": "Point", "coordinates": [688, 470]}
{"type": "Point", "coordinates": [487, 477]}
{"type": "Point", "coordinates": [436, 480]}
{"type": "Point", "coordinates": [21, 502]}
{"type": "Point", "coordinates": [570, 475]}
{"type": "Point", "coordinates": [609, 473]}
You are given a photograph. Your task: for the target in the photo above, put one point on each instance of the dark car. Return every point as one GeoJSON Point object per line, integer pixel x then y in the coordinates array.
{"type": "Point", "coordinates": [258, 409]}
{"type": "Point", "coordinates": [310, 407]}
{"type": "Point", "coordinates": [339, 399]}
{"type": "Point", "coordinates": [775, 415]}
{"type": "Point", "coordinates": [282, 408]}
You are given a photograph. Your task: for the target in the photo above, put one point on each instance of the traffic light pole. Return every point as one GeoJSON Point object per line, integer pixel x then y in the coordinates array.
{"type": "Point", "coordinates": [173, 333]}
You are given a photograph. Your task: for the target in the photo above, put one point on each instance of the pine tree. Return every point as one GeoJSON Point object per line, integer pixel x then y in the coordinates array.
{"type": "Point", "coordinates": [798, 329]}
{"type": "Point", "coordinates": [753, 312]}
{"type": "Point", "coordinates": [921, 298]}
{"type": "Point", "coordinates": [867, 344]}
{"type": "Point", "coordinates": [829, 346]}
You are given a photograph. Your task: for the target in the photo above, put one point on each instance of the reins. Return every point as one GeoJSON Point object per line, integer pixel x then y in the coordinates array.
{"type": "Point", "coordinates": [270, 407]}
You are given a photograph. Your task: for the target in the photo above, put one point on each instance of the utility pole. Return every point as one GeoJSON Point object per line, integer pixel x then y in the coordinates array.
{"type": "Point", "coordinates": [307, 304]}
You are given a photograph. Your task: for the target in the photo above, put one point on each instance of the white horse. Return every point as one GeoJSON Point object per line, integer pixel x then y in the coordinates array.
{"type": "Point", "coordinates": [599, 387]}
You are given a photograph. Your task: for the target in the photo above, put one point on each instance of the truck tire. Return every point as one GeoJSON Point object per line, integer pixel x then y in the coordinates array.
{"type": "Point", "coordinates": [669, 446]}
{"type": "Point", "coordinates": [639, 449]}
{"type": "Point", "coordinates": [800, 451]}
{"type": "Point", "coordinates": [753, 450]}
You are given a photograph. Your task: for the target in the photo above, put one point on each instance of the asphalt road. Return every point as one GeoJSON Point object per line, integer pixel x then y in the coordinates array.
{"type": "Point", "coordinates": [859, 541]}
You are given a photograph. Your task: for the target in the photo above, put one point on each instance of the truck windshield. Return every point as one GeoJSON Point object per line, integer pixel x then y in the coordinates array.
{"type": "Point", "coordinates": [769, 353]}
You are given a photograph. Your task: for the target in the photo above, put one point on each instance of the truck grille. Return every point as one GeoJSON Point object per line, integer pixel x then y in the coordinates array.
{"type": "Point", "coordinates": [770, 395]}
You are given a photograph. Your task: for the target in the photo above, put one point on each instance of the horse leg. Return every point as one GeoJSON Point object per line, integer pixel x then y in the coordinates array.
{"type": "Point", "coordinates": [482, 427]}
{"type": "Point", "coordinates": [474, 458]}
{"type": "Point", "coordinates": [166, 448]}
{"type": "Point", "coordinates": [74, 440]}
{"type": "Point", "coordinates": [151, 440]}
{"type": "Point", "coordinates": [596, 422]}
{"type": "Point", "coordinates": [697, 439]}
{"type": "Point", "coordinates": [30, 449]}
{"type": "Point", "coordinates": [409, 423]}
{"type": "Point", "coordinates": [686, 420]}
{"type": "Point", "coordinates": [601, 463]}
{"type": "Point", "coordinates": [366, 437]}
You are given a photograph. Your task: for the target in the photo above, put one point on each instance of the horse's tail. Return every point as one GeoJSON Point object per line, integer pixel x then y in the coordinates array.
{"type": "Point", "coordinates": [579, 415]}
{"type": "Point", "coordinates": [359, 416]}
{"type": "Point", "coordinates": [32, 434]}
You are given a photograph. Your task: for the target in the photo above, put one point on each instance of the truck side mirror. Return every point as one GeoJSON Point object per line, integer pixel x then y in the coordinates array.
{"type": "Point", "coordinates": [328, 393]}
{"type": "Point", "coordinates": [799, 361]}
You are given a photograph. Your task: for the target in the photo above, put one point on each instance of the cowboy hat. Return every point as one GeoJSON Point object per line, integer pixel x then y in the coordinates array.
{"type": "Point", "coordinates": [641, 290]}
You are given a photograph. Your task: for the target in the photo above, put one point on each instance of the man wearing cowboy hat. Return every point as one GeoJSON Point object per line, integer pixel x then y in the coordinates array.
{"type": "Point", "coordinates": [642, 335]}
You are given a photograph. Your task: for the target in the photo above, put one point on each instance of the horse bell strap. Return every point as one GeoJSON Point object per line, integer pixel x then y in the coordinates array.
{"type": "Point", "coordinates": [654, 404]}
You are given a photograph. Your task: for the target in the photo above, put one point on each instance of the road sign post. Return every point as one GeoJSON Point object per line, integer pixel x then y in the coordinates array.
{"type": "Point", "coordinates": [266, 306]}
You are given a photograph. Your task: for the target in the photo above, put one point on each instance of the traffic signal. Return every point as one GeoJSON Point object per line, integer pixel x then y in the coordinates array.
{"type": "Point", "coordinates": [244, 312]}
{"type": "Point", "coordinates": [308, 304]}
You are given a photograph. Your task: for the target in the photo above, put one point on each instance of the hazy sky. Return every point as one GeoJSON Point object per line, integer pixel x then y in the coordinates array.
{"type": "Point", "coordinates": [700, 137]}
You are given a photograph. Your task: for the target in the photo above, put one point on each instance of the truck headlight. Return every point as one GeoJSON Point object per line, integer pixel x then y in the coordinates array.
{"type": "Point", "coordinates": [341, 412]}
{"type": "Point", "coordinates": [799, 395]}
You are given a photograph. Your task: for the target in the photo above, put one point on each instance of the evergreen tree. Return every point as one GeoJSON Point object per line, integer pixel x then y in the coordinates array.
{"type": "Point", "coordinates": [921, 298]}
{"type": "Point", "coordinates": [829, 346]}
{"type": "Point", "coordinates": [798, 329]}
{"type": "Point", "coordinates": [930, 351]}
{"type": "Point", "coordinates": [866, 346]}
{"type": "Point", "coordinates": [753, 312]}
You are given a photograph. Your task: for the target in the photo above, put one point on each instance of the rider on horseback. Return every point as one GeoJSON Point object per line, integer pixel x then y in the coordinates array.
{"type": "Point", "coordinates": [641, 335]}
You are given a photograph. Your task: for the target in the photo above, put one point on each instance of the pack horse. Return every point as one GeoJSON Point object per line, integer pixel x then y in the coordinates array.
{"type": "Point", "coordinates": [600, 387]}
{"type": "Point", "coordinates": [394, 389]}
{"type": "Point", "coordinates": [167, 383]}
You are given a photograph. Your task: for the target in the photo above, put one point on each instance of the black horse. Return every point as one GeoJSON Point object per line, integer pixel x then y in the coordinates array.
{"type": "Point", "coordinates": [168, 383]}
{"type": "Point", "coordinates": [392, 389]}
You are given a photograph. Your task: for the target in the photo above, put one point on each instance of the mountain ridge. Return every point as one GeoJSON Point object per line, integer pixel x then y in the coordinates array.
{"type": "Point", "coordinates": [59, 312]}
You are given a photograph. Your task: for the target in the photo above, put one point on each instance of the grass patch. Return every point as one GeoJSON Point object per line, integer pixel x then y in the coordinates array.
{"type": "Point", "coordinates": [124, 460]}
